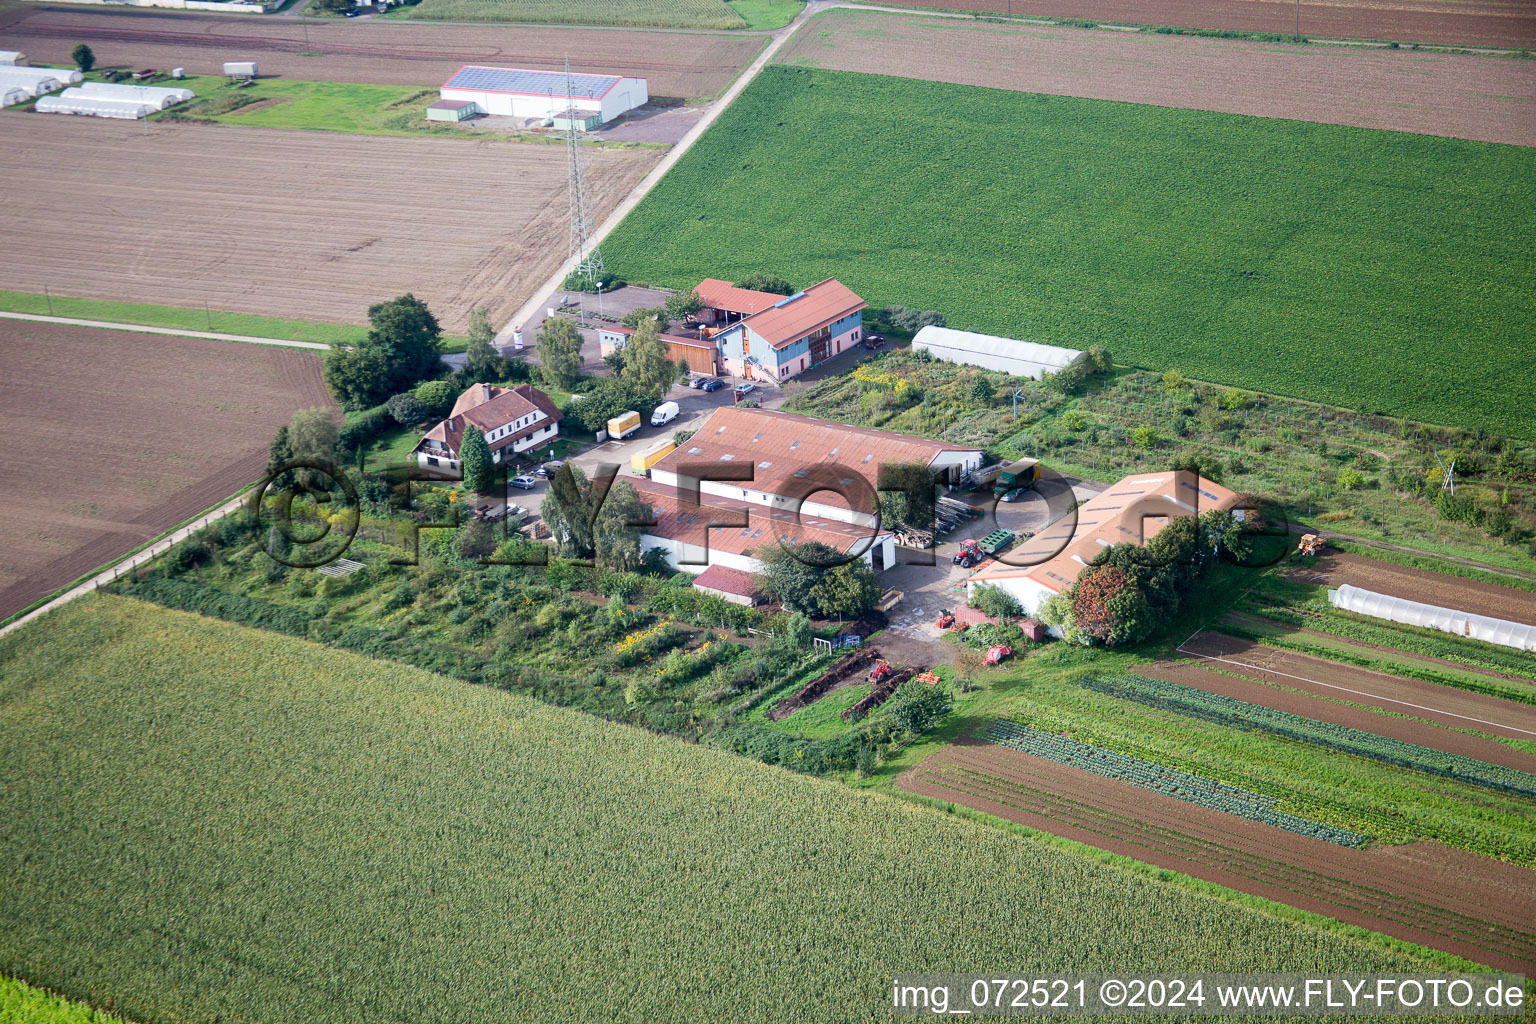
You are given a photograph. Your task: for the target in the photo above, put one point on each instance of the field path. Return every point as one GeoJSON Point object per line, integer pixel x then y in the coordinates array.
{"type": "Point", "coordinates": [141, 329]}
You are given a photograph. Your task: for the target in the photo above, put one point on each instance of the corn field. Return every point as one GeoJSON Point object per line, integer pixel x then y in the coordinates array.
{"type": "Point", "coordinates": [656, 13]}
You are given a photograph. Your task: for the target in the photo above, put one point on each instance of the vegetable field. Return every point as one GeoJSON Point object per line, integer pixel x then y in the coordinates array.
{"type": "Point", "coordinates": [658, 13]}
{"type": "Point", "coordinates": [1361, 268]}
{"type": "Point", "coordinates": [334, 837]}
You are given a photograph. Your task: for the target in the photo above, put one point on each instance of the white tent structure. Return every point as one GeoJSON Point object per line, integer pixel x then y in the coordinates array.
{"type": "Point", "coordinates": [92, 106]}
{"type": "Point", "coordinates": [11, 95]}
{"type": "Point", "coordinates": [159, 96]}
{"type": "Point", "coordinates": [36, 81]}
{"type": "Point", "coordinates": [15, 57]}
{"type": "Point", "coordinates": [1008, 355]}
{"type": "Point", "coordinates": [1519, 635]}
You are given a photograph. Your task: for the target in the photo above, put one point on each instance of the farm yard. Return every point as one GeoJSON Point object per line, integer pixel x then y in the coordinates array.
{"type": "Point", "coordinates": [452, 813]}
{"type": "Point", "coordinates": [420, 54]}
{"type": "Point", "coordinates": [335, 243]}
{"type": "Point", "coordinates": [159, 428]}
{"type": "Point", "coordinates": [1456, 95]}
{"type": "Point", "coordinates": [1501, 23]}
{"type": "Point", "coordinates": [1236, 249]}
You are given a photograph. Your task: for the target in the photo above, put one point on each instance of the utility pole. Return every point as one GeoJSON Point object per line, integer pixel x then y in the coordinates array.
{"type": "Point", "coordinates": [1298, 21]}
{"type": "Point", "coordinates": [588, 264]}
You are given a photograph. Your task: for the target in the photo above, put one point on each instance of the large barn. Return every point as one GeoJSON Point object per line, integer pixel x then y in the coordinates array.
{"type": "Point", "coordinates": [517, 92]}
{"type": "Point", "coordinates": [1013, 357]}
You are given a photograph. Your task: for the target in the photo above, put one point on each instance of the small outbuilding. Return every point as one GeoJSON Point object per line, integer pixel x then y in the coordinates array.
{"type": "Point", "coordinates": [732, 585]}
{"type": "Point", "coordinates": [13, 58]}
{"type": "Point", "coordinates": [451, 110]}
{"type": "Point", "coordinates": [1006, 355]}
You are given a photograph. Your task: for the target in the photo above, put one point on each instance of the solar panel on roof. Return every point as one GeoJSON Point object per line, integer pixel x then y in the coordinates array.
{"type": "Point", "coordinates": [534, 83]}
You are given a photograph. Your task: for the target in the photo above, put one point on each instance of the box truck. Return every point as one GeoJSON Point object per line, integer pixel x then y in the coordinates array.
{"type": "Point", "coordinates": [642, 461]}
{"type": "Point", "coordinates": [624, 424]}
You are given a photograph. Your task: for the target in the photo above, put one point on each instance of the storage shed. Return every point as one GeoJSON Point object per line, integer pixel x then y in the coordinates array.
{"type": "Point", "coordinates": [451, 110]}
{"type": "Point", "coordinates": [1007, 355]}
{"type": "Point", "coordinates": [518, 92]}
{"type": "Point", "coordinates": [577, 120]}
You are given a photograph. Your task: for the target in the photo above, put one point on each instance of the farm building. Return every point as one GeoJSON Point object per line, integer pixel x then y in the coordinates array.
{"type": "Point", "coordinates": [36, 81]}
{"type": "Point", "coordinates": [794, 332]}
{"type": "Point", "coordinates": [1134, 510]}
{"type": "Point", "coordinates": [1007, 355]}
{"type": "Point", "coordinates": [725, 304]}
{"type": "Point", "coordinates": [451, 110]}
{"type": "Point", "coordinates": [73, 101]}
{"type": "Point", "coordinates": [158, 97]}
{"type": "Point", "coordinates": [12, 58]}
{"type": "Point", "coordinates": [514, 420]}
{"type": "Point", "coordinates": [516, 92]}
{"type": "Point", "coordinates": [793, 459]}
{"type": "Point", "coordinates": [698, 354]}
{"type": "Point", "coordinates": [731, 585]}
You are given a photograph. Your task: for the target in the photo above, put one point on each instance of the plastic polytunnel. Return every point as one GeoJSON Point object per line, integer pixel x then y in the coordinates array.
{"type": "Point", "coordinates": [159, 96]}
{"type": "Point", "coordinates": [10, 96]}
{"type": "Point", "coordinates": [92, 106]}
{"type": "Point", "coordinates": [1489, 630]}
{"type": "Point", "coordinates": [35, 81]}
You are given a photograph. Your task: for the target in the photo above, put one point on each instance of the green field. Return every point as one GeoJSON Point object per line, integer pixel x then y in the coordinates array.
{"type": "Point", "coordinates": [20, 1003]}
{"type": "Point", "coordinates": [181, 318]}
{"type": "Point", "coordinates": [660, 13]}
{"type": "Point", "coordinates": [1361, 268]}
{"type": "Point", "coordinates": [210, 822]}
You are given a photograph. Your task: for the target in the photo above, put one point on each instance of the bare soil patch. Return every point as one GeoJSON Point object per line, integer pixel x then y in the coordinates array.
{"type": "Point", "coordinates": [113, 437]}
{"type": "Point", "coordinates": [1454, 95]}
{"type": "Point", "coordinates": [310, 224]}
{"type": "Point", "coordinates": [1337, 568]}
{"type": "Point", "coordinates": [687, 65]}
{"type": "Point", "coordinates": [1507, 23]}
{"type": "Point", "coordinates": [1459, 709]}
{"type": "Point", "coordinates": [1272, 695]}
{"type": "Point", "coordinates": [1426, 893]}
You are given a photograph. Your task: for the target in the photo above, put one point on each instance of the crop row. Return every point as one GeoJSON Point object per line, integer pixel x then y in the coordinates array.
{"type": "Point", "coordinates": [1217, 796]}
{"type": "Point", "coordinates": [655, 13]}
{"type": "Point", "coordinates": [1239, 714]}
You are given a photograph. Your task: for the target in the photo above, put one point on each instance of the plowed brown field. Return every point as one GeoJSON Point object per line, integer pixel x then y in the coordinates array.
{"type": "Point", "coordinates": [1507, 23]}
{"type": "Point", "coordinates": [1456, 95]}
{"type": "Point", "coordinates": [1459, 709]}
{"type": "Point", "coordinates": [680, 64]}
{"type": "Point", "coordinates": [112, 437]}
{"type": "Point", "coordinates": [317, 225]}
{"type": "Point", "coordinates": [1337, 568]}
{"type": "Point", "coordinates": [1426, 893]}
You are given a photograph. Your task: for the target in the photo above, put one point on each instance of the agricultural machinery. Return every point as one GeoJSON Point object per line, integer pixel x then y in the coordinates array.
{"type": "Point", "coordinates": [881, 669]}
{"type": "Point", "coordinates": [969, 553]}
{"type": "Point", "coordinates": [1311, 544]}
{"type": "Point", "coordinates": [996, 653]}
{"type": "Point", "coordinates": [946, 619]}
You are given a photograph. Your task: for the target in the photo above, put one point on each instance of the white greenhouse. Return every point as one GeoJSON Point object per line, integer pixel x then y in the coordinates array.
{"type": "Point", "coordinates": [9, 57]}
{"type": "Point", "coordinates": [92, 106]}
{"type": "Point", "coordinates": [10, 95]}
{"type": "Point", "coordinates": [35, 81]}
{"type": "Point", "coordinates": [1008, 355]}
{"type": "Point", "coordinates": [158, 96]}
{"type": "Point", "coordinates": [1489, 630]}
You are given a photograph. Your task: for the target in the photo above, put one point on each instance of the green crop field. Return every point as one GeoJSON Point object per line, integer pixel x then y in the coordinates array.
{"type": "Point", "coordinates": [657, 13]}
{"type": "Point", "coordinates": [208, 822]}
{"type": "Point", "coordinates": [20, 1003]}
{"type": "Point", "coordinates": [1361, 268]}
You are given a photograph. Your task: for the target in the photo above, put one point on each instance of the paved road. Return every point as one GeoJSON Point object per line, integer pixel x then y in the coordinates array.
{"type": "Point", "coordinates": [140, 328]}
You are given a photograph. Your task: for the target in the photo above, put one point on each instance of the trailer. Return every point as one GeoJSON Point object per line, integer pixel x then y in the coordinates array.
{"type": "Point", "coordinates": [642, 461]}
{"type": "Point", "coordinates": [241, 69]}
{"type": "Point", "coordinates": [996, 541]}
{"type": "Point", "coordinates": [624, 424]}
{"type": "Point", "coordinates": [1024, 473]}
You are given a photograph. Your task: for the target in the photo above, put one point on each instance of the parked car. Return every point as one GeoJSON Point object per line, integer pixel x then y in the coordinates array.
{"type": "Point", "coordinates": [697, 382]}
{"type": "Point", "coordinates": [873, 341]}
{"type": "Point", "coordinates": [712, 385]}
{"type": "Point", "coordinates": [1017, 494]}
{"type": "Point", "coordinates": [527, 483]}
{"type": "Point", "coordinates": [746, 387]}
{"type": "Point", "coordinates": [549, 468]}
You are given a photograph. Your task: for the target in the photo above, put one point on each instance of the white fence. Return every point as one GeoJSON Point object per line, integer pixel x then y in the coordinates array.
{"type": "Point", "coordinates": [1414, 613]}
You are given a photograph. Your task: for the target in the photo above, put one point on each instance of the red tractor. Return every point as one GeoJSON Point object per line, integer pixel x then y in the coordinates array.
{"type": "Point", "coordinates": [969, 554]}
{"type": "Point", "coordinates": [946, 619]}
{"type": "Point", "coordinates": [996, 653]}
{"type": "Point", "coordinates": [880, 670]}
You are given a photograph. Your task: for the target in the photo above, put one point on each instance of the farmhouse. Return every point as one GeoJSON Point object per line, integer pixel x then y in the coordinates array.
{"type": "Point", "coordinates": [725, 304]}
{"type": "Point", "coordinates": [784, 462]}
{"type": "Point", "coordinates": [791, 334]}
{"type": "Point", "coordinates": [514, 420]}
{"type": "Point", "coordinates": [696, 352]}
{"type": "Point", "coordinates": [516, 92]}
{"type": "Point", "coordinates": [1133, 510]}
{"type": "Point", "coordinates": [1010, 356]}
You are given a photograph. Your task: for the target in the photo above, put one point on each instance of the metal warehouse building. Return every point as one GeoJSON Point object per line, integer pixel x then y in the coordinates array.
{"type": "Point", "coordinates": [514, 92]}
{"type": "Point", "coordinates": [1016, 358]}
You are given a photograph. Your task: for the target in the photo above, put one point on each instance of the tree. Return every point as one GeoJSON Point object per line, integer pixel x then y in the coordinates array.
{"type": "Point", "coordinates": [1091, 596]}
{"type": "Point", "coordinates": [312, 434]}
{"type": "Point", "coordinates": [847, 591]}
{"type": "Point", "coordinates": [406, 409]}
{"type": "Point", "coordinates": [906, 494]}
{"type": "Point", "coordinates": [357, 377]}
{"type": "Point", "coordinates": [604, 399]}
{"type": "Point", "coordinates": [681, 305]}
{"type": "Point", "coordinates": [643, 314]}
{"type": "Point", "coordinates": [995, 601]}
{"type": "Point", "coordinates": [766, 283]}
{"type": "Point", "coordinates": [436, 395]}
{"type": "Point", "coordinates": [916, 707]}
{"type": "Point", "coordinates": [1100, 359]}
{"type": "Point", "coordinates": [566, 511]}
{"type": "Point", "coordinates": [334, 6]}
{"type": "Point", "coordinates": [279, 451]}
{"type": "Point", "coordinates": [968, 662]}
{"type": "Point", "coordinates": [481, 360]}
{"type": "Point", "coordinates": [616, 543]}
{"type": "Point", "coordinates": [646, 366]}
{"type": "Point", "coordinates": [475, 458]}
{"type": "Point", "coordinates": [982, 390]}
{"type": "Point", "coordinates": [560, 352]}
{"type": "Point", "coordinates": [475, 539]}
{"type": "Point", "coordinates": [807, 578]}
{"type": "Point", "coordinates": [402, 347]}
{"type": "Point", "coordinates": [83, 56]}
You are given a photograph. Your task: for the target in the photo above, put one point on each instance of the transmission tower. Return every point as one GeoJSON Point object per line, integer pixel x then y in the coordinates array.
{"type": "Point", "coordinates": [589, 262]}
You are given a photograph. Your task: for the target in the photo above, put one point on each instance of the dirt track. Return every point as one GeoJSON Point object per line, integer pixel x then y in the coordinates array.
{"type": "Point", "coordinates": [1509, 23]}
{"type": "Point", "coordinates": [1458, 709]}
{"type": "Point", "coordinates": [686, 65]}
{"type": "Point", "coordinates": [1455, 95]}
{"type": "Point", "coordinates": [112, 437]}
{"type": "Point", "coordinates": [1426, 893]}
{"type": "Point", "coordinates": [1325, 710]}
{"type": "Point", "coordinates": [309, 224]}
{"type": "Point", "coordinates": [1337, 569]}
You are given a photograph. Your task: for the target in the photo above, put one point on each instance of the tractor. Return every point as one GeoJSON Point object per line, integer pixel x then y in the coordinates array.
{"type": "Point", "coordinates": [879, 671]}
{"type": "Point", "coordinates": [1311, 544]}
{"type": "Point", "coordinates": [969, 553]}
{"type": "Point", "coordinates": [946, 619]}
{"type": "Point", "coordinates": [996, 653]}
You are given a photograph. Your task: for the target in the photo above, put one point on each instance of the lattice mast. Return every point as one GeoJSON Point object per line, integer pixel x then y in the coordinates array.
{"type": "Point", "coordinates": [589, 262]}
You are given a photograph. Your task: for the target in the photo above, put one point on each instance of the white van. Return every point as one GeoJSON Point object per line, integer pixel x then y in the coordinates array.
{"type": "Point", "coordinates": [665, 413]}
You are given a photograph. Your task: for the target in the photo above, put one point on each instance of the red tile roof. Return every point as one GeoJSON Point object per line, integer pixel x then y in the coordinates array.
{"type": "Point", "coordinates": [680, 521]}
{"type": "Point", "coordinates": [673, 339]}
{"type": "Point", "coordinates": [1133, 510]}
{"type": "Point", "coordinates": [726, 580]}
{"type": "Point", "coordinates": [795, 316]}
{"type": "Point", "coordinates": [488, 407]}
{"type": "Point", "coordinates": [718, 294]}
